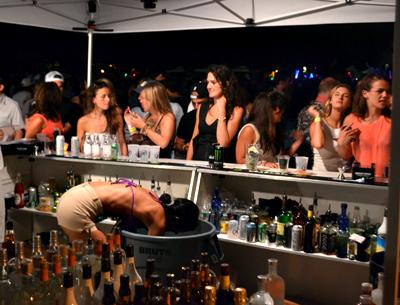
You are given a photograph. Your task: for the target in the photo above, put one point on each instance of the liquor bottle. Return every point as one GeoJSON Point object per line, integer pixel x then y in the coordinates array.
{"type": "Point", "coordinates": [328, 235]}
{"type": "Point", "coordinates": [342, 236]}
{"type": "Point", "coordinates": [53, 248]}
{"type": "Point", "coordinates": [149, 271]}
{"type": "Point", "coordinates": [105, 277]}
{"type": "Point", "coordinates": [261, 297]}
{"type": "Point", "coordinates": [37, 257]}
{"type": "Point", "coordinates": [86, 289]}
{"type": "Point", "coordinates": [366, 288]}
{"type": "Point", "coordinates": [96, 147]}
{"type": "Point", "coordinates": [24, 293]}
{"type": "Point", "coordinates": [42, 294]}
{"type": "Point", "coordinates": [5, 283]}
{"type": "Point", "coordinates": [207, 275]}
{"type": "Point", "coordinates": [14, 264]}
{"type": "Point", "coordinates": [109, 297]}
{"type": "Point", "coordinates": [118, 270]}
{"type": "Point", "coordinates": [87, 146]}
{"type": "Point", "coordinates": [284, 217]}
{"type": "Point", "coordinates": [117, 244]}
{"type": "Point", "coordinates": [63, 250]}
{"type": "Point", "coordinates": [308, 244]}
{"type": "Point", "coordinates": [184, 289]}
{"type": "Point", "coordinates": [157, 294]}
{"type": "Point", "coordinates": [355, 223]}
{"type": "Point", "coordinates": [171, 291]}
{"type": "Point", "coordinates": [130, 269]}
{"type": "Point", "coordinates": [274, 283]}
{"type": "Point", "coordinates": [300, 216]}
{"type": "Point", "coordinates": [196, 294]}
{"type": "Point", "coordinates": [215, 214]}
{"type": "Point", "coordinates": [377, 293]}
{"type": "Point", "coordinates": [96, 266]}
{"type": "Point", "coordinates": [56, 280]}
{"type": "Point", "coordinates": [240, 296]}
{"type": "Point", "coordinates": [382, 233]}
{"type": "Point", "coordinates": [19, 192]}
{"type": "Point", "coordinates": [140, 297]}
{"type": "Point", "coordinates": [106, 148]}
{"type": "Point", "coordinates": [225, 295]}
{"type": "Point", "coordinates": [317, 224]}
{"type": "Point", "coordinates": [68, 283]}
{"type": "Point", "coordinates": [9, 240]}
{"type": "Point", "coordinates": [124, 293]}
{"type": "Point", "coordinates": [210, 295]}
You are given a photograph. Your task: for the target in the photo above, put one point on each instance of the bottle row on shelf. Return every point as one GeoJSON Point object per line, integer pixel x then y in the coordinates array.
{"type": "Point", "coordinates": [292, 226]}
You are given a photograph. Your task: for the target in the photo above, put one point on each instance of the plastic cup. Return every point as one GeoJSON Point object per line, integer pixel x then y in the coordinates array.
{"type": "Point", "coordinates": [301, 163]}
{"type": "Point", "coordinates": [143, 153]}
{"type": "Point", "coordinates": [283, 163]}
{"type": "Point", "coordinates": [133, 152]}
{"type": "Point", "coordinates": [154, 154]}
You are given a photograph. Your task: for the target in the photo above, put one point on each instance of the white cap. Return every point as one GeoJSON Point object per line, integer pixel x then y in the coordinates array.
{"type": "Point", "coordinates": [53, 76]}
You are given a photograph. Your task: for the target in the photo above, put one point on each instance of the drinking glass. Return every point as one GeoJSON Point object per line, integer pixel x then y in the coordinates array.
{"type": "Point", "coordinates": [301, 163]}
{"type": "Point", "coordinates": [253, 154]}
{"type": "Point", "coordinates": [283, 163]}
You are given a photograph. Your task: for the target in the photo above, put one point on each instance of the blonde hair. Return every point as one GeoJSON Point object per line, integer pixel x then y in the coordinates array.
{"type": "Point", "coordinates": [328, 105]}
{"type": "Point", "coordinates": [157, 95]}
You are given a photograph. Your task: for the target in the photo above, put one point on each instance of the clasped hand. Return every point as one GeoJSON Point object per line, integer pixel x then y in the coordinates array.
{"type": "Point", "coordinates": [348, 135]}
{"type": "Point", "coordinates": [133, 119]}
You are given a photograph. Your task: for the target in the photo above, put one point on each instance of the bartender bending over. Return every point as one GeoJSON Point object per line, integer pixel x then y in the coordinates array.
{"type": "Point", "coordinates": [81, 205]}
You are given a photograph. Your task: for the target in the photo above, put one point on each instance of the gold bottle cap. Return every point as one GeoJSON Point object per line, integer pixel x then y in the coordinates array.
{"type": "Point", "coordinates": [210, 293]}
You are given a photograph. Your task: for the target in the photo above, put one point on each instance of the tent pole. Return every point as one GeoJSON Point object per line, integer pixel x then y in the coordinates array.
{"type": "Point", "coordinates": [89, 56]}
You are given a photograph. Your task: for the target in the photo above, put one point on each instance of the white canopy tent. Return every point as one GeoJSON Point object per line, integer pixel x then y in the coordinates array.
{"type": "Point", "coordinates": [123, 16]}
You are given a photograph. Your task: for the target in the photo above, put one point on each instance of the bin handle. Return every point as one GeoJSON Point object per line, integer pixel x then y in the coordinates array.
{"type": "Point", "coordinates": [219, 253]}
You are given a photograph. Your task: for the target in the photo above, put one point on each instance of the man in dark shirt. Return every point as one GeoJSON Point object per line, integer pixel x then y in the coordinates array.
{"type": "Point", "coordinates": [199, 94]}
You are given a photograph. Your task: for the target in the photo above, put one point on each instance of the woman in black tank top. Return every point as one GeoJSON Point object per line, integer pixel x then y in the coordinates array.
{"type": "Point", "coordinates": [219, 120]}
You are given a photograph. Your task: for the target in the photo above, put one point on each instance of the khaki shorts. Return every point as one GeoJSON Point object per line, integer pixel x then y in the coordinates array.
{"type": "Point", "coordinates": [78, 208]}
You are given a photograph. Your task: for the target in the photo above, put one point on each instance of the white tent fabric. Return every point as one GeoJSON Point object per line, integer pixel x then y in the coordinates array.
{"type": "Point", "coordinates": [124, 16]}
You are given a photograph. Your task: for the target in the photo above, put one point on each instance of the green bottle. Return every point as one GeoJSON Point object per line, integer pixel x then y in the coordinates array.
{"type": "Point", "coordinates": [284, 218]}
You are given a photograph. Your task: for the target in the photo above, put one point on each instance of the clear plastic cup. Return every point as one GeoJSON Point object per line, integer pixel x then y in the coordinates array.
{"type": "Point", "coordinates": [133, 152]}
{"type": "Point", "coordinates": [143, 153]}
{"type": "Point", "coordinates": [301, 163]}
{"type": "Point", "coordinates": [154, 154]}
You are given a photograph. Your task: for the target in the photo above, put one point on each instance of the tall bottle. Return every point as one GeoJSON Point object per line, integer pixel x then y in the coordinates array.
{"type": "Point", "coordinates": [42, 294]}
{"type": "Point", "coordinates": [215, 214]}
{"type": "Point", "coordinates": [147, 278]}
{"type": "Point", "coordinates": [342, 236]}
{"type": "Point", "coordinates": [284, 218]}
{"type": "Point", "coordinates": [317, 224]}
{"type": "Point", "coordinates": [377, 293]}
{"type": "Point", "coordinates": [171, 291]}
{"type": "Point", "coordinates": [134, 277]}
{"type": "Point", "coordinates": [207, 275]}
{"type": "Point", "coordinates": [56, 280]}
{"type": "Point", "coordinates": [118, 270]}
{"type": "Point", "coordinates": [105, 277]}
{"type": "Point", "coordinates": [196, 294]}
{"type": "Point", "coordinates": [157, 294]}
{"type": "Point", "coordinates": [53, 248]}
{"type": "Point", "coordinates": [9, 240]}
{"type": "Point", "coordinates": [308, 244]}
{"type": "Point", "coordinates": [382, 233]}
{"type": "Point", "coordinates": [274, 283]}
{"type": "Point", "coordinates": [261, 296]}
{"type": "Point", "coordinates": [124, 293]}
{"type": "Point", "coordinates": [225, 295]}
{"type": "Point", "coordinates": [140, 297]}
{"type": "Point", "coordinates": [328, 235]}
{"type": "Point", "coordinates": [37, 257]}
{"type": "Point", "coordinates": [19, 192]}
{"type": "Point", "coordinates": [109, 297]}
{"type": "Point", "coordinates": [68, 283]}
{"type": "Point", "coordinates": [86, 290]}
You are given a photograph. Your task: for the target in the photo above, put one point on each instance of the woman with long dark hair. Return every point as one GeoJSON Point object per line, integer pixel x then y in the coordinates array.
{"type": "Point", "coordinates": [102, 114]}
{"type": "Point", "coordinates": [218, 120]}
{"type": "Point", "coordinates": [46, 117]}
{"type": "Point", "coordinates": [262, 128]}
{"type": "Point", "coordinates": [365, 134]}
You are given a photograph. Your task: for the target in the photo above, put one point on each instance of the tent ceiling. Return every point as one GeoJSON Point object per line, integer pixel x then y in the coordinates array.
{"type": "Point", "coordinates": [129, 15]}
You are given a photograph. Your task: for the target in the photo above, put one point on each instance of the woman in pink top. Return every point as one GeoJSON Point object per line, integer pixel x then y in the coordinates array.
{"type": "Point", "coordinates": [365, 134]}
{"type": "Point", "coordinates": [46, 117]}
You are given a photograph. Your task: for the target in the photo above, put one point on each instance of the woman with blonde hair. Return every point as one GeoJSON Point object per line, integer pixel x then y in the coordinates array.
{"type": "Point", "coordinates": [158, 125]}
{"type": "Point", "coordinates": [325, 130]}
{"type": "Point", "coordinates": [46, 117]}
{"type": "Point", "coordinates": [102, 114]}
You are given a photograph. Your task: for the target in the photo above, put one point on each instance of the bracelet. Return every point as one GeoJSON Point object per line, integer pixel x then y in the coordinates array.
{"type": "Point", "coordinates": [132, 130]}
{"type": "Point", "coordinates": [317, 119]}
{"type": "Point", "coordinates": [144, 130]}
{"type": "Point", "coordinates": [222, 119]}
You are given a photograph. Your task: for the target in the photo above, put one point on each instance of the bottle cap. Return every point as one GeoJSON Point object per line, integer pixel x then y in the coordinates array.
{"type": "Point", "coordinates": [68, 279]}
{"type": "Point", "coordinates": [117, 257]}
{"type": "Point", "coordinates": [86, 271]}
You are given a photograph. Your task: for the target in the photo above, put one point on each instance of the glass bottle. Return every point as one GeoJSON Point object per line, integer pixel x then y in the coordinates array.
{"type": "Point", "coordinates": [86, 290]}
{"type": "Point", "coordinates": [261, 297]}
{"type": "Point", "coordinates": [5, 282]}
{"type": "Point", "coordinates": [14, 264]}
{"type": "Point", "coordinates": [366, 288]}
{"type": "Point", "coordinates": [19, 192]}
{"type": "Point", "coordinates": [328, 235]}
{"type": "Point", "coordinates": [117, 244]}
{"type": "Point", "coordinates": [140, 297]}
{"type": "Point", "coordinates": [355, 223]}
{"type": "Point", "coordinates": [124, 293]}
{"type": "Point", "coordinates": [23, 294]}
{"type": "Point", "coordinates": [9, 240]}
{"type": "Point", "coordinates": [240, 296]}
{"type": "Point", "coordinates": [284, 218]}
{"type": "Point", "coordinates": [106, 148]}
{"type": "Point", "coordinates": [196, 294]}
{"type": "Point", "coordinates": [68, 283]}
{"type": "Point", "coordinates": [105, 277]}
{"type": "Point", "coordinates": [382, 233]}
{"type": "Point", "coordinates": [184, 289]}
{"type": "Point", "coordinates": [170, 292]}
{"type": "Point", "coordinates": [118, 270]}
{"type": "Point", "coordinates": [149, 271]}
{"type": "Point", "coordinates": [53, 248]}
{"type": "Point", "coordinates": [56, 280]}
{"type": "Point", "coordinates": [42, 294]}
{"type": "Point", "coordinates": [37, 257]}
{"type": "Point", "coordinates": [317, 224]}
{"type": "Point", "coordinates": [225, 295]}
{"type": "Point", "coordinates": [130, 269]}
{"type": "Point", "coordinates": [109, 297]}
{"type": "Point", "coordinates": [158, 189]}
{"type": "Point", "coordinates": [210, 295]}
{"type": "Point", "coordinates": [342, 236]}
{"type": "Point", "coordinates": [157, 294]}
{"type": "Point", "coordinates": [274, 283]}
{"type": "Point", "coordinates": [215, 214]}
{"type": "Point", "coordinates": [96, 266]}
{"type": "Point", "coordinates": [365, 300]}
{"type": "Point", "coordinates": [87, 146]}
{"type": "Point", "coordinates": [114, 148]}
{"type": "Point", "coordinates": [377, 293]}
{"type": "Point", "coordinates": [308, 244]}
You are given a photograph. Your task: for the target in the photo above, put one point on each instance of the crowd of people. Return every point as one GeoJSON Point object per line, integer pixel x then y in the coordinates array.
{"type": "Point", "coordinates": [336, 128]}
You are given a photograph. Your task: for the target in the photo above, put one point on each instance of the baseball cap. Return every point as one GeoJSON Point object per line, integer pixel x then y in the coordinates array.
{"type": "Point", "coordinates": [139, 88]}
{"type": "Point", "coordinates": [53, 76]}
{"type": "Point", "coordinates": [201, 89]}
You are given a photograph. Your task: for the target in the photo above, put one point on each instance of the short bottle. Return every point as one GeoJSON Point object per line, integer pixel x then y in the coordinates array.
{"type": "Point", "coordinates": [261, 296]}
{"type": "Point", "coordinates": [274, 283]}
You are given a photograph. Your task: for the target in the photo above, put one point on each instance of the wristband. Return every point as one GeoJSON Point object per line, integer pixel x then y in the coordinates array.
{"type": "Point", "coordinates": [132, 130]}
{"type": "Point", "coordinates": [317, 119]}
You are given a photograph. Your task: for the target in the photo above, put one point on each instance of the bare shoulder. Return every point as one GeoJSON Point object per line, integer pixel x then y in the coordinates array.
{"type": "Point", "coordinates": [247, 131]}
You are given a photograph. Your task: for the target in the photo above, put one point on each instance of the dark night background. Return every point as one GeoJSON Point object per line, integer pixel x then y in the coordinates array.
{"type": "Point", "coordinates": [329, 48]}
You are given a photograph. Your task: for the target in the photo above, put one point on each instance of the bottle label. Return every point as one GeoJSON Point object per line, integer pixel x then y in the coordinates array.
{"type": "Point", "coordinates": [280, 229]}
